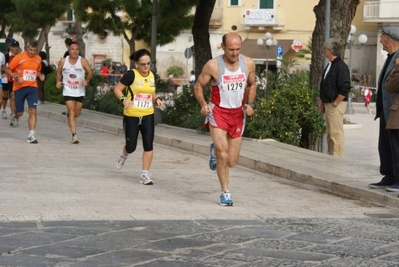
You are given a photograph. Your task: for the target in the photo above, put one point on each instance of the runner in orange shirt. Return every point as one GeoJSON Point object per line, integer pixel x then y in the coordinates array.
{"type": "Point", "coordinates": [24, 69]}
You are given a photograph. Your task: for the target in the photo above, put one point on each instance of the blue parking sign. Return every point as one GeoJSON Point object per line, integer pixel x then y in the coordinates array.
{"type": "Point", "coordinates": [280, 51]}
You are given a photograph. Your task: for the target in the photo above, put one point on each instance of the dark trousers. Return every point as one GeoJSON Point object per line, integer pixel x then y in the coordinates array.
{"type": "Point", "coordinates": [40, 89]}
{"type": "Point", "coordinates": [388, 149]}
{"type": "Point", "coordinates": [132, 126]}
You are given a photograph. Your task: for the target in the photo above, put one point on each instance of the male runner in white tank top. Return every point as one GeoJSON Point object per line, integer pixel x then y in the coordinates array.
{"type": "Point", "coordinates": [72, 70]}
{"type": "Point", "coordinates": [233, 90]}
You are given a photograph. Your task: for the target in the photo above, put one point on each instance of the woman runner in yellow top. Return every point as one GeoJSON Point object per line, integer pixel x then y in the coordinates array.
{"type": "Point", "coordinates": [138, 113]}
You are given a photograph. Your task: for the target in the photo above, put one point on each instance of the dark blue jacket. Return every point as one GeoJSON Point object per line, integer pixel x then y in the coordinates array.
{"type": "Point", "coordinates": [337, 82]}
{"type": "Point", "coordinates": [384, 98]}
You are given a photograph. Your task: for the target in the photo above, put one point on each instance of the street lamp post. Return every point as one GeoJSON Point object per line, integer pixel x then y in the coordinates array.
{"type": "Point", "coordinates": [154, 14]}
{"type": "Point", "coordinates": [269, 42]}
{"type": "Point", "coordinates": [349, 45]}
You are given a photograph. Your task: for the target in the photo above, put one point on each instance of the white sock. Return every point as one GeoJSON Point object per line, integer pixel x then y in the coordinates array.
{"type": "Point", "coordinates": [144, 172]}
{"type": "Point", "coordinates": [31, 132]}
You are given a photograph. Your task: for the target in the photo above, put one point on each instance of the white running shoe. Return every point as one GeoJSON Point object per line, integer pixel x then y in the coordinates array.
{"type": "Point", "coordinates": [120, 160]}
{"type": "Point", "coordinates": [75, 139]}
{"type": "Point", "coordinates": [145, 179]}
{"type": "Point", "coordinates": [14, 121]}
{"type": "Point", "coordinates": [31, 139]}
{"type": "Point", "coordinates": [4, 114]}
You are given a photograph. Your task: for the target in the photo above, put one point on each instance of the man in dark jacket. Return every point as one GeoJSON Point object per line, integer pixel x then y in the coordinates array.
{"type": "Point", "coordinates": [334, 89]}
{"type": "Point", "coordinates": [388, 139]}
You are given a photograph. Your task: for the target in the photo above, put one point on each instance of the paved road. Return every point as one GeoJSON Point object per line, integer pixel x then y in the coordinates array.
{"type": "Point", "coordinates": [361, 143]}
{"type": "Point", "coordinates": [67, 205]}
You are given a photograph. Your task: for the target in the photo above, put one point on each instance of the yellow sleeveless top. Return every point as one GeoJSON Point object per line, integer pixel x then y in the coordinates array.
{"type": "Point", "coordinates": [142, 88]}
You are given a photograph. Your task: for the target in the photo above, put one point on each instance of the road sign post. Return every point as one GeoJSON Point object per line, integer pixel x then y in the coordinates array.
{"type": "Point", "coordinates": [279, 51]}
{"type": "Point", "coordinates": [187, 54]}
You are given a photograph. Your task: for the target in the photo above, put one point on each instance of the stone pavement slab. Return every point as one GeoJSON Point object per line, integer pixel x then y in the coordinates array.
{"type": "Point", "coordinates": [271, 242]}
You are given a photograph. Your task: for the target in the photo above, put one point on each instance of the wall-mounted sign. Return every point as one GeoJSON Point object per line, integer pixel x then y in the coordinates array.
{"type": "Point", "coordinates": [297, 45]}
{"type": "Point", "coordinates": [259, 17]}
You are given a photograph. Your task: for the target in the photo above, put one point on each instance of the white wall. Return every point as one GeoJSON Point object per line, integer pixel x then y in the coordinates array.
{"type": "Point", "coordinates": [112, 47]}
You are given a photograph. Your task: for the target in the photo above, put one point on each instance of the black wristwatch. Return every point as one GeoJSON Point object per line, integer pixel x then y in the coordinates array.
{"type": "Point", "coordinates": [252, 104]}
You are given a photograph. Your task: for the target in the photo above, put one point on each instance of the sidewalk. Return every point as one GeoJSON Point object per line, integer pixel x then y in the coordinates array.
{"type": "Point", "coordinates": [347, 177]}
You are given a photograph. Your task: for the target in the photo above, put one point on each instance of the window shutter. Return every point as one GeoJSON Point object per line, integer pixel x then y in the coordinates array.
{"type": "Point", "coordinates": [269, 4]}
{"type": "Point", "coordinates": [233, 2]}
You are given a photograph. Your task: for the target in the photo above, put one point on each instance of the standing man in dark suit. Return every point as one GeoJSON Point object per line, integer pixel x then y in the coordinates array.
{"type": "Point", "coordinates": [388, 141]}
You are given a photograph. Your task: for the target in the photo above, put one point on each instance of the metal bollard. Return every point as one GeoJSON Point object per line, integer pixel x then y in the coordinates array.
{"type": "Point", "coordinates": [349, 108]}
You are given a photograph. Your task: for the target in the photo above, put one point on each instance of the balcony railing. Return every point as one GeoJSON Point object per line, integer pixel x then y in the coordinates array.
{"type": "Point", "coordinates": [381, 11]}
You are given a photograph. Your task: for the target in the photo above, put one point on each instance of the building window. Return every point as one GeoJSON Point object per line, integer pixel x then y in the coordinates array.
{"type": "Point", "coordinates": [269, 4]}
{"type": "Point", "coordinates": [234, 2]}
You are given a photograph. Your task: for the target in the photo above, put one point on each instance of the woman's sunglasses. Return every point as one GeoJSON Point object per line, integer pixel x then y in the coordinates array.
{"type": "Point", "coordinates": [144, 64]}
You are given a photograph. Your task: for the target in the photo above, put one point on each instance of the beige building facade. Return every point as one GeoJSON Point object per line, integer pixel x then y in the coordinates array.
{"type": "Point", "coordinates": [291, 24]}
{"type": "Point", "coordinates": [381, 13]}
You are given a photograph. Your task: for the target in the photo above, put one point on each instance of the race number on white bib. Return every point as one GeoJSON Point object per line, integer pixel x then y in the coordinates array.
{"type": "Point", "coordinates": [72, 84]}
{"type": "Point", "coordinates": [142, 101]}
{"type": "Point", "coordinates": [233, 82]}
{"type": "Point", "coordinates": [29, 75]}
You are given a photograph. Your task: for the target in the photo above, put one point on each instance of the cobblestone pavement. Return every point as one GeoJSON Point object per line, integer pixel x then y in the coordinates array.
{"type": "Point", "coordinates": [67, 205]}
{"type": "Point", "coordinates": [271, 242]}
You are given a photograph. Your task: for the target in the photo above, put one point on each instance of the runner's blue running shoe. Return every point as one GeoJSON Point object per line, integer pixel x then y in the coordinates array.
{"type": "Point", "coordinates": [225, 199]}
{"type": "Point", "coordinates": [212, 158]}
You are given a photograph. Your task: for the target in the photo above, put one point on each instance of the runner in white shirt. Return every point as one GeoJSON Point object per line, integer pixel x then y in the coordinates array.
{"type": "Point", "coordinates": [76, 74]}
{"type": "Point", "coordinates": [233, 90]}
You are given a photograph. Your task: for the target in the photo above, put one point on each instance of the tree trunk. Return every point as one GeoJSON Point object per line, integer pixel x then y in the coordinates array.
{"type": "Point", "coordinates": [47, 47]}
{"type": "Point", "coordinates": [202, 47]}
{"type": "Point", "coordinates": [9, 37]}
{"type": "Point", "coordinates": [79, 37]}
{"type": "Point", "coordinates": [3, 32]}
{"type": "Point", "coordinates": [339, 28]}
{"type": "Point", "coordinates": [42, 37]}
{"type": "Point", "coordinates": [341, 16]}
{"type": "Point", "coordinates": [132, 46]}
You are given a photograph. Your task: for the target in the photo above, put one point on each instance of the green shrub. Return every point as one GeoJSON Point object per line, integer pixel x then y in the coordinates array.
{"type": "Point", "coordinates": [184, 112]}
{"type": "Point", "coordinates": [161, 85]}
{"type": "Point", "coordinates": [177, 71]}
{"type": "Point", "coordinates": [288, 114]}
{"type": "Point", "coordinates": [51, 93]}
{"type": "Point", "coordinates": [101, 98]}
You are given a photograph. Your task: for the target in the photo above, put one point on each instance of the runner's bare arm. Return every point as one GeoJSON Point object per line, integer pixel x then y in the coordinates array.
{"type": "Point", "coordinates": [88, 70]}
{"type": "Point", "coordinates": [251, 84]}
{"type": "Point", "coordinates": [58, 76]}
{"type": "Point", "coordinates": [209, 72]}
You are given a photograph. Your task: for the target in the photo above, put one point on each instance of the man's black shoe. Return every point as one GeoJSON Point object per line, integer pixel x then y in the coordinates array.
{"type": "Point", "coordinates": [379, 185]}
